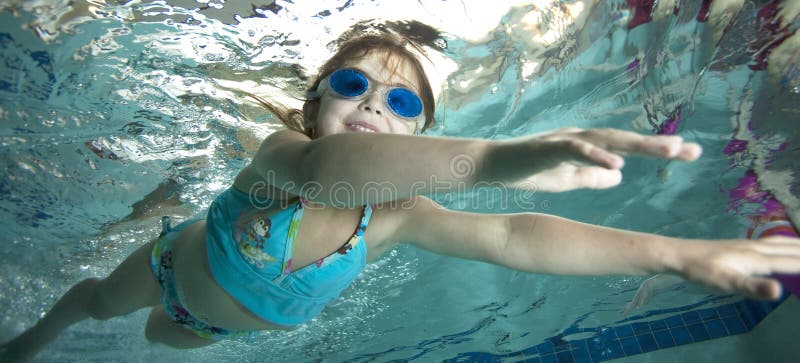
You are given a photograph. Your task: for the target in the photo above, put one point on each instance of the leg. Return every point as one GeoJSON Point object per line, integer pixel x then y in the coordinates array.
{"type": "Point", "coordinates": [130, 287]}
{"type": "Point", "coordinates": [161, 329]}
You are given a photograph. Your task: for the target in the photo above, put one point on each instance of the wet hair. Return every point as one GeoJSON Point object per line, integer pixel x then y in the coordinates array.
{"type": "Point", "coordinates": [394, 50]}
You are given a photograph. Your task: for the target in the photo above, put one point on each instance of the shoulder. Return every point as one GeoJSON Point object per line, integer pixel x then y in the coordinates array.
{"type": "Point", "coordinates": [280, 146]}
{"type": "Point", "coordinates": [285, 135]}
{"type": "Point", "coordinates": [279, 155]}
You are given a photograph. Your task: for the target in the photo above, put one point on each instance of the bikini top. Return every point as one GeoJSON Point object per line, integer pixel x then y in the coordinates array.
{"type": "Point", "coordinates": [250, 256]}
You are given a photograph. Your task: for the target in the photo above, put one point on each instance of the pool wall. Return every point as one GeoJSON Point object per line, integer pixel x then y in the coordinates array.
{"type": "Point", "coordinates": [742, 331]}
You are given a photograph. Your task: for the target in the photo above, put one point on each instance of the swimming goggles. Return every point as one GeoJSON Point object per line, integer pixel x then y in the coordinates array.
{"type": "Point", "coordinates": [352, 84]}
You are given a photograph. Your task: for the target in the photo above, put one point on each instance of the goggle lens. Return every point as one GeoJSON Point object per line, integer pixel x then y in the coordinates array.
{"type": "Point", "coordinates": [404, 102]}
{"type": "Point", "coordinates": [351, 83]}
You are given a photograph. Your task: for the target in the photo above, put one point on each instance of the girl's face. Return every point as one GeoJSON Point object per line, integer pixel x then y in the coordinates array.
{"type": "Point", "coordinates": [339, 115]}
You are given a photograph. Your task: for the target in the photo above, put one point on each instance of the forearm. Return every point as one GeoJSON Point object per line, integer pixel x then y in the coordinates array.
{"type": "Point", "coordinates": [356, 169]}
{"type": "Point", "coordinates": [554, 245]}
{"type": "Point", "coordinates": [514, 159]}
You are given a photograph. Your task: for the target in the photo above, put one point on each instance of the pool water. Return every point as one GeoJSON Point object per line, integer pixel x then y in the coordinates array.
{"type": "Point", "coordinates": [109, 106]}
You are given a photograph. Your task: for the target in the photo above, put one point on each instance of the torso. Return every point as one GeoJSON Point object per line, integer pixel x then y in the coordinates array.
{"type": "Point", "coordinates": [322, 230]}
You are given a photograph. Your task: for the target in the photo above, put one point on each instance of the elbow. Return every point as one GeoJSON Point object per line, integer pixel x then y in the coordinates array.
{"type": "Point", "coordinates": [516, 249]}
{"type": "Point", "coordinates": [305, 167]}
{"type": "Point", "coordinates": [503, 251]}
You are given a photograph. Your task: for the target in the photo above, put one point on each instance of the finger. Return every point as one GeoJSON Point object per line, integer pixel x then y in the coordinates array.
{"type": "Point", "coordinates": [592, 154]}
{"type": "Point", "coordinates": [780, 240]}
{"type": "Point", "coordinates": [569, 130]}
{"type": "Point", "coordinates": [670, 147]}
{"type": "Point", "coordinates": [595, 177]}
{"type": "Point", "coordinates": [784, 265]}
{"type": "Point", "coordinates": [561, 131]}
{"type": "Point", "coordinates": [631, 142]}
{"type": "Point", "coordinates": [690, 152]}
{"type": "Point", "coordinates": [760, 288]}
{"type": "Point", "coordinates": [661, 146]}
{"type": "Point", "coordinates": [778, 250]}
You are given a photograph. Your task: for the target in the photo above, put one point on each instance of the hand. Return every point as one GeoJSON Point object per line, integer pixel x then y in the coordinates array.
{"type": "Point", "coordinates": [572, 158]}
{"type": "Point", "coordinates": [741, 266]}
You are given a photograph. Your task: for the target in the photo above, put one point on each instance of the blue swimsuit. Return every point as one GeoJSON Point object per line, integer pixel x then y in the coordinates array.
{"type": "Point", "coordinates": [250, 256]}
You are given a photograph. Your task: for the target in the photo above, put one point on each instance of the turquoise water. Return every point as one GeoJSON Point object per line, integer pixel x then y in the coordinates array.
{"type": "Point", "coordinates": [103, 103]}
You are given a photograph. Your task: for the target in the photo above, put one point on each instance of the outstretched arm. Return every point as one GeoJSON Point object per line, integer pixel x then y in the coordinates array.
{"type": "Point", "coordinates": [548, 244]}
{"type": "Point", "coordinates": [353, 169]}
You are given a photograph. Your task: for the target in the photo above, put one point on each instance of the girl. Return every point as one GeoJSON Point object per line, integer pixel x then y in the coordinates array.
{"type": "Point", "coordinates": [301, 220]}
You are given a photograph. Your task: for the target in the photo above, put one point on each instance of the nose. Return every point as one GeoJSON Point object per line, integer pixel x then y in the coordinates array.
{"type": "Point", "coordinates": [372, 103]}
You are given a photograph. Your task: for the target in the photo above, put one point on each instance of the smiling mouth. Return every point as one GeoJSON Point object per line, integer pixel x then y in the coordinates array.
{"type": "Point", "coordinates": [360, 127]}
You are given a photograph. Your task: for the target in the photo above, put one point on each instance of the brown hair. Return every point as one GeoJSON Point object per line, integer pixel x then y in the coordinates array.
{"type": "Point", "coordinates": [393, 47]}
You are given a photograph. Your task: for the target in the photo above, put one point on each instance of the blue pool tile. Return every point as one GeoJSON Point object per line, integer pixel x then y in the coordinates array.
{"type": "Point", "coordinates": [550, 358]}
{"type": "Point", "coordinates": [641, 328]}
{"type": "Point", "coordinates": [674, 321]}
{"type": "Point", "coordinates": [530, 351]}
{"type": "Point", "coordinates": [561, 347]}
{"type": "Point", "coordinates": [756, 310]}
{"type": "Point", "coordinates": [681, 335]}
{"type": "Point", "coordinates": [565, 357]}
{"type": "Point", "coordinates": [698, 332]}
{"type": "Point", "coordinates": [607, 332]}
{"type": "Point", "coordinates": [614, 350]}
{"type": "Point", "coordinates": [595, 343]}
{"type": "Point", "coordinates": [624, 331]}
{"type": "Point", "coordinates": [647, 342]}
{"type": "Point", "coordinates": [546, 348]}
{"type": "Point", "coordinates": [582, 356]}
{"type": "Point", "coordinates": [611, 351]}
{"type": "Point", "coordinates": [532, 360]}
{"type": "Point", "coordinates": [664, 339]}
{"type": "Point", "coordinates": [630, 346]}
{"type": "Point", "coordinates": [735, 325]}
{"type": "Point", "coordinates": [690, 317]}
{"type": "Point", "coordinates": [749, 318]}
{"type": "Point", "coordinates": [756, 306]}
{"type": "Point", "coordinates": [716, 329]}
{"type": "Point", "coordinates": [658, 325]}
{"type": "Point", "coordinates": [727, 310]}
{"type": "Point", "coordinates": [597, 355]}
{"type": "Point", "coordinates": [707, 314]}
{"type": "Point", "coordinates": [578, 345]}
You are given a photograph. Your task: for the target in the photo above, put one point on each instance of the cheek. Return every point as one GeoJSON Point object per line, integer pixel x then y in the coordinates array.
{"type": "Point", "coordinates": [329, 117]}
{"type": "Point", "coordinates": [402, 127]}
{"type": "Point", "coordinates": [330, 108]}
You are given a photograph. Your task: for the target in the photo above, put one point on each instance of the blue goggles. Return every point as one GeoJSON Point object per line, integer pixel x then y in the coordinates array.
{"type": "Point", "coordinates": [353, 84]}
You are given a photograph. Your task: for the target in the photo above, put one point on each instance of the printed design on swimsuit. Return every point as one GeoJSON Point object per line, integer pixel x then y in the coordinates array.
{"type": "Point", "coordinates": [166, 260]}
{"type": "Point", "coordinates": [252, 233]}
{"type": "Point", "coordinates": [181, 315]}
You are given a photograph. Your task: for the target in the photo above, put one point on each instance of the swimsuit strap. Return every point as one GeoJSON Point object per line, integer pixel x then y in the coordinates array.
{"type": "Point", "coordinates": [366, 214]}
{"type": "Point", "coordinates": [290, 236]}
{"type": "Point", "coordinates": [166, 226]}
